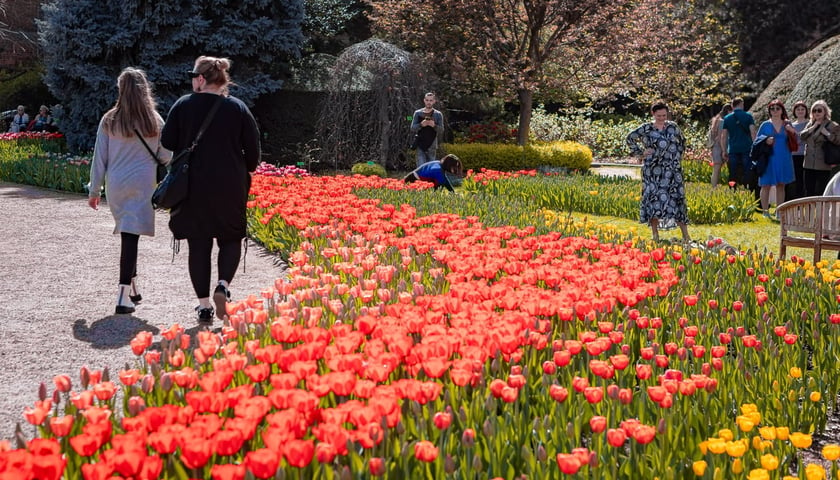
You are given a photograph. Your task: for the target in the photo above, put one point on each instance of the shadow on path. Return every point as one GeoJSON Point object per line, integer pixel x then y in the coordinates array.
{"type": "Point", "coordinates": [113, 331]}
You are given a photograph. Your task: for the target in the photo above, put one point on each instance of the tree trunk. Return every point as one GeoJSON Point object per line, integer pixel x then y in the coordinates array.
{"type": "Point", "coordinates": [525, 99]}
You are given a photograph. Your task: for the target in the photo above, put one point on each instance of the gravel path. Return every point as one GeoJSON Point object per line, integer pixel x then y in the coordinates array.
{"type": "Point", "coordinates": [58, 282]}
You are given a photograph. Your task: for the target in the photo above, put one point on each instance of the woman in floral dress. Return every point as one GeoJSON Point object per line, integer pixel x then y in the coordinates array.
{"type": "Point", "coordinates": [660, 144]}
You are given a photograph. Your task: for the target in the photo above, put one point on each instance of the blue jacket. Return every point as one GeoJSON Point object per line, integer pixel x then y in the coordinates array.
{"type": "Point", "coordinates": [760, 154]}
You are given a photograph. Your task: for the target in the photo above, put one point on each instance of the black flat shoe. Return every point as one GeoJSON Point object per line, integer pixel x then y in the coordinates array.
{"type": "Point", "coordinates": [135, 298]}
{"type": "Point", "coordinates": [122, 310]}
{"type": "Point", "coordinates": [204, 314]}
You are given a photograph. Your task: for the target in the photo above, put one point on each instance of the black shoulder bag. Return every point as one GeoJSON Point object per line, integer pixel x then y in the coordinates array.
{"type": "Point", "coordinates": [161, 167]}
{"type": "Point", "coordinates": [174, 187]}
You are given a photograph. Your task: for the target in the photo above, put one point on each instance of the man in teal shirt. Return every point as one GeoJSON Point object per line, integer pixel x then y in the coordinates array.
{"type": "Point", "coordinates": [735, 141]}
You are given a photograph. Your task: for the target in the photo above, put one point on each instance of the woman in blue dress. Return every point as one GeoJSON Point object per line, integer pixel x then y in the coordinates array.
{"type": "Point", "coordinates": [661, 145]}
{"type": "Point", "coordinates": [780, 165]}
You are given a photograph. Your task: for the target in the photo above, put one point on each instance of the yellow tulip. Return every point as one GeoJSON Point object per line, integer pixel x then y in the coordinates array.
{"type": "Point", "coordinates": [815, 396]}
{"type": "Point", "coordinates": [758, 474]}
{"type": "Point", "coordinates": [776, 386]}
{"type": "Point", "coordinates": [748, 408]}
{"type": "Point", "coordinates": [800, 440]}
{"type": "Point", "coordinates": [717, 445]}
{"type": "Point", "coordinates": [795, 372]}
{"type": "Point", "coordinates": [769, 462]}
{"type": "Point", "coordinates": [767, 433]}
{"type": "Point", "coordinates": [757, 444]}
{"type": "Point", "coordinates": [744, 423]}
{"type": "Point", "coordinates": [754, 417]}
{"type": "Point", "coordinates": [726, 434]}
{"type": "Point", "coordinates": [782, 433]}
{"type": "Point", "coordinates": [737, 466]}
{"type": "Point", "coordinates": [814, 472]}
{"type": "Point", "coordinates": [699, 467]}
{"type": "Point", "coordinates": [831, 452]}
{"type": "Point", "coordinates": [735, 449]}
{"type": "Point", "coordinates": [704, 447]}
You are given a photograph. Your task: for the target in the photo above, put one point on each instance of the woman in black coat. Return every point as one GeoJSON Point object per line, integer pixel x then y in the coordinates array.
{"type": "Point", "coordinates": [220, 177]}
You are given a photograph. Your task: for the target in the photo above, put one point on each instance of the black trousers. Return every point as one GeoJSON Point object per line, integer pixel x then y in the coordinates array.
{"type": "Point", "coordinates": [200, 262]}
{"type": "Point", "coordinates": [128, 257]}
{"type": "Point", "coordinates": [815, 181]}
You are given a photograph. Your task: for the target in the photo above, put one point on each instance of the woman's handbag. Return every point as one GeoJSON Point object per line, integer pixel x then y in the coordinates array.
{"type": "Point", "coordinates": [175, 186]}
{"type": "Point", "coordinates": [792, 141]}
{"type": "Point", "coordinates": [831, 153]}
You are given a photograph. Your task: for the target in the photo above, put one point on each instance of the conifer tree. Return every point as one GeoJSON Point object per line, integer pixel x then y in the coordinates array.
{"type": "Point", "coordinates": [87, 42]}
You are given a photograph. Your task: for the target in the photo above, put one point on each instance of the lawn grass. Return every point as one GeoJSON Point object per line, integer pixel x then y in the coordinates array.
{"type": "Point", "coordinates": [761, 235]}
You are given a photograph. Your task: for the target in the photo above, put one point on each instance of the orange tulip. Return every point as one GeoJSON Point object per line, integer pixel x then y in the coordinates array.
{"type": "Point", "coordinates": [568, 463]}
{"type": "Point", "coordinates": [425, 451]}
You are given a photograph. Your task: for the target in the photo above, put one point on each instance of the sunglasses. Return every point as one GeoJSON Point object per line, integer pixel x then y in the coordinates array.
{"type": "Point", "coordinates": [817, 110]}
{"type": "Point", "coordinates": [775, 108]}
{"type": "Point", "coordinates": [193, 74]}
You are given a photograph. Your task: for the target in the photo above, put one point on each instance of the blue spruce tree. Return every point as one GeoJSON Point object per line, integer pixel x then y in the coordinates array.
{"type": "Point", "coordinates": [87, 42]}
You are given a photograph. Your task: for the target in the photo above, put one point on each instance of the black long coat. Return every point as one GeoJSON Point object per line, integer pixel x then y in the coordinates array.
{"type": "Point", "coordinates": [219, 166]}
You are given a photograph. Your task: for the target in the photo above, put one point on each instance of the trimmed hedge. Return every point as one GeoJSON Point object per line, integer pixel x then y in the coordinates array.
{"type": "Point", "coordinates": [505, 157]}
{"type": "Point", "coordinates": [369, 169]}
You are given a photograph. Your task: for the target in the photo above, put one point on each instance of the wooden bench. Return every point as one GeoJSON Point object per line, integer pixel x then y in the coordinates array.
{"type": "Point", "coordinates": [810, 222]}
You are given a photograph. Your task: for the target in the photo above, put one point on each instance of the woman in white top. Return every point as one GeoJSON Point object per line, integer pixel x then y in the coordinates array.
{"type": "Point", "coordinates": [20, 120]}
{"type": "Point", "coordinates": [126, 167]}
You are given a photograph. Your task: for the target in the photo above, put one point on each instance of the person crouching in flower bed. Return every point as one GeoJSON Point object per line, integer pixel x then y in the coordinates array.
{"type": "Point", "coordinates": [435, 172]}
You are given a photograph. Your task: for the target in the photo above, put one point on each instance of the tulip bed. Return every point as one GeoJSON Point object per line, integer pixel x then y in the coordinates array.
{"type": "Point", "coordinates": [436, 336]}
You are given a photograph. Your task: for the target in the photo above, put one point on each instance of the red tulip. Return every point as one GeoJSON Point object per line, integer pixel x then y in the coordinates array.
{"type": "Point", "coordinates": [298, 453]}
{"type": "Point", "coordinates": [643, 371]}
{"type": "Point", "coordinates": [228, 472]}
{"type": "Point", "coordinates": [442, 420]}
{"type": "Point", "coordinates": [644, 434]}
{"type": "Point", "coordinates": [376, 466]}
{"type": "Point", "coordinates": [616, 437]}
{"type": "Point", "coordinates": [558, 393]}
{"type": "Point", "coordinates": [593, 394]}
{"type": "Point", "coordinates": [598, 423]}
{"type": "Point", "coordinates": [325, 452]}
{"type": "Point", "coordinates": [262, 462]}
{"type": "Point", "coordinates": [568, 463]}
{"type": "Point", "coordinates": [425, 451]}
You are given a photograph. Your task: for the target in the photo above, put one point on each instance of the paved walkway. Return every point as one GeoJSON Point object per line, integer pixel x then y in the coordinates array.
{"type": "Point", "coordinates": [58, 275]}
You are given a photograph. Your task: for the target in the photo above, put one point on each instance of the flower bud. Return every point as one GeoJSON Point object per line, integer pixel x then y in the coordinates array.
{"type": "Point", "coordinates": [42, 391]}
{"type": "Point", "coordinates": [147, 384]}
{"type": "Point", "coordinates": [542, 455]}
{"type": "Point", "coordinates": [449, 465]}
{"type": "Point", "coordinates": [136, 405]}
{"type": "Point", "coordinates": [468, 438]}
{"type": "Point", "coordinates": [166, 382]}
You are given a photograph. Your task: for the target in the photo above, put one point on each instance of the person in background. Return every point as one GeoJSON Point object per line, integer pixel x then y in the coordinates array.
{"type": "Point", "coordinates": [43, 121]}
{"type": "Point", "coordinates": [220, 177]}
{"type": "Point", "coordinates": [436, 170]}
{"type": "Point", "coordinates": [735, 141]}
{"type": "Point", "coordinates": [122, 163]}
{"type": "Point", "coordinates": [427, 125]}
{"type": "Point", "coordinates": [820, 129]}
{"type": "Point", "coordinates": [20, 120]}
{"type": "Point", "coordinates": [661, 144]}
{"type": "Point", "coordinates": [780, 165]}
{"type": "Point", "coordinates": [800, 119]}
{"type": "Point", "coordinates": [715, 128]}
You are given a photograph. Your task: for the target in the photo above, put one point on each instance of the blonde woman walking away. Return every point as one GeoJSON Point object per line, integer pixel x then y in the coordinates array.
{"type": "Point", "coordinates": [123, 164]}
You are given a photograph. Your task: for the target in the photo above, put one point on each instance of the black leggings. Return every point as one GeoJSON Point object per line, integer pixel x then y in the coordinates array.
{"type": "Point", "coordinates": [128, 257]}
{"type": "Point", "coordinates": [200, 258]}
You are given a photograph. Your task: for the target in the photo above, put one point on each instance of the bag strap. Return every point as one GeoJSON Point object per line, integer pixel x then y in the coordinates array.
{"type": "Point", "coordinates": [206, 123]}
{"type": "Point", "coordinates": [157, 160]}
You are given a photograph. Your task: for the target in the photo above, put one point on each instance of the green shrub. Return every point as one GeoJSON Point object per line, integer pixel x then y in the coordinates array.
{"type": "Point", "coordinates": [504, 157]}
{"type": "Point", "coordinates": [369, 169]}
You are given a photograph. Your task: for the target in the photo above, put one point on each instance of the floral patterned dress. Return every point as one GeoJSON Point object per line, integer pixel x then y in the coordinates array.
{"type": "Point", "coordinates": [663, 189]}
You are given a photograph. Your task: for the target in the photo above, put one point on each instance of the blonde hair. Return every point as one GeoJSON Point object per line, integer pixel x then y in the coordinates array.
{"type": "Point", "coordinates": [215, 71]}
{"type": "Point", "coordinates": [825, 107]}
{"type": "Point", "coordinates": [135, 107]}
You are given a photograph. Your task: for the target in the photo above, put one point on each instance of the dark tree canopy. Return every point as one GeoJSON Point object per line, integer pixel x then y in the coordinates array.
{"type": "Point", "coordinates": [772, 33]}
{"type": "Point", "coordinates": [87, 42]}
